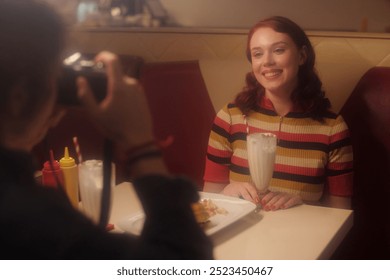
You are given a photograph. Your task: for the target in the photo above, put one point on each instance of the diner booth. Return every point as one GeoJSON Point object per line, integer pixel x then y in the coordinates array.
{"type": "Point", "coordinates": [188, 75]}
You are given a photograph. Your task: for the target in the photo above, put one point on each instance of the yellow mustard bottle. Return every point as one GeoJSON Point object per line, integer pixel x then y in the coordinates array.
{"type": "Point", "coordinates": [71, 178]}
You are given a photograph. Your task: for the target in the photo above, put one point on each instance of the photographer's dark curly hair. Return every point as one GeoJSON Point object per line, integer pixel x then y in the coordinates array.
{"type": "Point", "coordinates": [32, 37]}
{"type": "Point", "coordinates": [309, 94]}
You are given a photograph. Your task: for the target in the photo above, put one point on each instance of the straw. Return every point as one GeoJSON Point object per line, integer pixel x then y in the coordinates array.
{"type": "Point", "coordinates": [77, 148]}
{"type": "Point", "coordinates": [51, 162]}
{"type": "Point", "coordinates": [52, 159]}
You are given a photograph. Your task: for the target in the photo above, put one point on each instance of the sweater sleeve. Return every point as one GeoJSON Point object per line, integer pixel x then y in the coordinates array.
{"type": "Point", "coordinates": [339, 167]}
{"type": "Point", "coordinates": [219, 151]}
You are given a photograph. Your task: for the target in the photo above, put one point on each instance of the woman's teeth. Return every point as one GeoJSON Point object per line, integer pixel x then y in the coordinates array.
{"type": "Point", "coordinates": [271, 74]}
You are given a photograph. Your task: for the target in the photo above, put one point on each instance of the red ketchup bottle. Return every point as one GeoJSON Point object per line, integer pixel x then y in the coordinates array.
{"type": "Point", "coordinates": [52, 173]}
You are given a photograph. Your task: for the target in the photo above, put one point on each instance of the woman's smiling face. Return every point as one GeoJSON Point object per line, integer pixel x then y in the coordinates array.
{"type": "Point", "coordinates": [275, 61]}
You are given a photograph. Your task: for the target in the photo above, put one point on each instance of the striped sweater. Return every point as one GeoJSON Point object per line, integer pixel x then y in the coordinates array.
{"type": "Point", "coordinates": [309, 156]}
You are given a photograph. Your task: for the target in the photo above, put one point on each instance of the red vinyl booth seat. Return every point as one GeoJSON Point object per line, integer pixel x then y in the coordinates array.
{"type": "Point", "coordinates": [367, 113]}
{"type": "Point", "coordinates": [181, 108]}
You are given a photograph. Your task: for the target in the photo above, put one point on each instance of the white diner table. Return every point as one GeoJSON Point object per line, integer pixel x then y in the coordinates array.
{"type": "Point", "coordinates": [303, 232]}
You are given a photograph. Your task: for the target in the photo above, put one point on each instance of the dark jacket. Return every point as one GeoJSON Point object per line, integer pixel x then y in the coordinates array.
{"type": "Point", "coordinates": [38, 222]}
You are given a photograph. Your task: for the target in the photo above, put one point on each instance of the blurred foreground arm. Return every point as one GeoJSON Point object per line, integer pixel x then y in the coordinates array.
{"type": "Point", "coordinates": [123, 116]}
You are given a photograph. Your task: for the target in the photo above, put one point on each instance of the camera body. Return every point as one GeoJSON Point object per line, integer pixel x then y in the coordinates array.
{"type": "Point", "coordinates": [81, 65]}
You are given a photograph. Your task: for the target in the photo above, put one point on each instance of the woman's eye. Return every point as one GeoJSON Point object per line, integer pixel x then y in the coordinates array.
{"type": "Point", "coordinates": [279, 50]}
{"type": "Point", "coordinates": [257, 54]}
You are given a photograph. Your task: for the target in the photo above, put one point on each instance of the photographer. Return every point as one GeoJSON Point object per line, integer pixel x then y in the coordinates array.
{"type": "Point", "coordinates": [40, 223]}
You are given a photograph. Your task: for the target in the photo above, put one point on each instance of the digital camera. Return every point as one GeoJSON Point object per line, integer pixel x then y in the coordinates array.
{"type": "Point", "coordinates": [81, 65]}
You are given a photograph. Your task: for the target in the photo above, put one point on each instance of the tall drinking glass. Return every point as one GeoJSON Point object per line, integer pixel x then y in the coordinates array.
{"type": "Point", "coordinates": [91, 186]}
{"type": "Point", "coordinates": [261, 158]}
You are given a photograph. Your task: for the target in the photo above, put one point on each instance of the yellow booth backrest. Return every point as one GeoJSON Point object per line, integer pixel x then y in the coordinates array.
{"type": "Point", "coordinates": [342, 58]}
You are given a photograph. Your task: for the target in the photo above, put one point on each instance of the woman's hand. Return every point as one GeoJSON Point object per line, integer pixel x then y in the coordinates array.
{"type": "Point", "coordinates": [123, 116]}
{"type": "Point", "coordinates": [276, 200]}
{"type": "Point", "coordinates": [270, 201]}
{"type": "Point", "coordinates": [244, 190]}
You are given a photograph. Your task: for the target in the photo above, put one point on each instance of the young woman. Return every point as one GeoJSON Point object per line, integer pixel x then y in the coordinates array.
{"type": "Point", "coordinates": [284, 96]}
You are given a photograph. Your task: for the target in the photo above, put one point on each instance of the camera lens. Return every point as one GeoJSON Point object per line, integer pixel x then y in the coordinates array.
{"type": "Point", "coordinates": [75, 66]}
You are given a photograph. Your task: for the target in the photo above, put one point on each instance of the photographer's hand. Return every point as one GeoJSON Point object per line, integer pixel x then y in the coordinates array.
{"type": "Point", "coordinates": [123, 116]}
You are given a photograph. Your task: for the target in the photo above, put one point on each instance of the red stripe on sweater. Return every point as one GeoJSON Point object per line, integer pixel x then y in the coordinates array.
{"type": "Point", "coordinates": [339, 136]}
{"type": "Point", "coordinates": [340, 165]}
{"type": "Point", "coordinates": [317, 138]}
{"type": "Point", "coordinates": [222, 124]}
{"type": "Point", "coordinates": [239, 161]}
